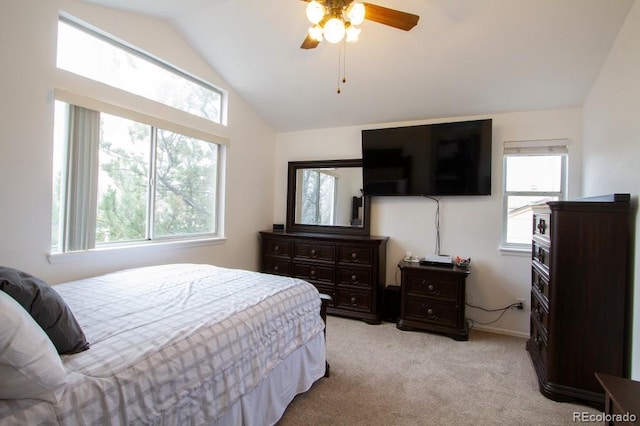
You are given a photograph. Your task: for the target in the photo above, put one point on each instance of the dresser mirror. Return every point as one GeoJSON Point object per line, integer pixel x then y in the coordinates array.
{"type": "Point", "coordinates": [326, 197]}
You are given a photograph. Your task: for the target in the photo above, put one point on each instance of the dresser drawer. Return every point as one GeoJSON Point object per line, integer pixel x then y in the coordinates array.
{"type": "Point", "coordinates": [539, 313]}
{"type": "Point", "coordinates": [352, 299]}
{"type": "Point", "coordinates": [540, 256]}
{"type": "Point", "coordinates": [274, 265]}
{"type": "Point", "coordinates": [314, 251]}
{"type": "Point", "coordinates": [276, 247]}
{"type": "Point", "coordinates": [540, 283]}
{"type": "Point", "coordinates": [354, 277]}
{"type": "Point", "coordinates": [432, 285]}
{"type": "Point", "coordinates": [432, 311]}
{"type": "Point", "coordinates": [315, 273]}
{"type": "Point", "coordinates": [542, 225]}
{"type": "Point", "coordinates": [355, 254]}
{"type": "Point", "coordinates": [538, 343]}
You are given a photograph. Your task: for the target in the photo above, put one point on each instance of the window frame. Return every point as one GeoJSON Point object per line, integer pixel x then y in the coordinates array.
{"type": "Point", "coordinates": [553, 147]}
{"type": "Point", "coordinates": [108, 99]}
{"type": "Point", "coordinates": [145, 56]}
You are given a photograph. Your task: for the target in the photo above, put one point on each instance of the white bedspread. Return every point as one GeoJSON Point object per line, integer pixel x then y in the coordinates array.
{"type": "Point", "coordinates": [174, 344]}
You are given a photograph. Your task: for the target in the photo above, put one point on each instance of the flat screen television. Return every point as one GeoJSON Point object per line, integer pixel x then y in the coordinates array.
{"type": "Point", "coordinates": [428, 160]}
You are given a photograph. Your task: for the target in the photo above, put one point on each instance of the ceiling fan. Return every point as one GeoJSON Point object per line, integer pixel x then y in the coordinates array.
{"type": "Point", "coordinates": [334, 20]}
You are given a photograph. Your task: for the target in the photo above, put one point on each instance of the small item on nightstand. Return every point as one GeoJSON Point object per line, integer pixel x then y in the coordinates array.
{"type": "Point", "coordinates": [463, 262]}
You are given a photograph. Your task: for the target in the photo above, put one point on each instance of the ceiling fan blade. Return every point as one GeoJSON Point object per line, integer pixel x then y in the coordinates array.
{"type": "Point", "coordinates": [391, 17]}
{"type": "Point", "coordinates": [309, 43]}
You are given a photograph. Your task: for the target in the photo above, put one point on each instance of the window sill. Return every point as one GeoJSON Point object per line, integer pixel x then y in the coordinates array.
{"type": "Point", "coordinates": [60, 258]}
{"type": "Point", "coordinates": [515, 250]}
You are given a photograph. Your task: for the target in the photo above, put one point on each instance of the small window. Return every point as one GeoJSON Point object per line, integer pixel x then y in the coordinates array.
{"type": "Point", "coordinates": [534, 172]}
{"type": "Point", "coordinates": [93, 55]}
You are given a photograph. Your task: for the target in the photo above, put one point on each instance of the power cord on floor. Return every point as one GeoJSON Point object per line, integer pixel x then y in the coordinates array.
{"type": "Point", "coordinates": [471, 322]}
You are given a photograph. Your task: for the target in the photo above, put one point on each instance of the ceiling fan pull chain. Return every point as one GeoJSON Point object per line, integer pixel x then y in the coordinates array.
{"type": "Point", "coordinates": [342, 65]}
{"type": "Point", "coordinates": [344, 62]}
{"type": "Point", "coordinates": [339, 68]}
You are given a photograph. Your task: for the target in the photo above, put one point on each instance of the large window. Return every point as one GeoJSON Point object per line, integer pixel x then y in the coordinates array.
{"type": "Point", "coordinates": [534, 172]}
{"type": "Point", "coordinates": [128, 170]}
{"type": "Point", "coordinates": [122, 181]}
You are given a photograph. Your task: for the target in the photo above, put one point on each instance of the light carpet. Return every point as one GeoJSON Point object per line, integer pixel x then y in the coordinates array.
{"type": "Point", "coordinates": [384, 376]}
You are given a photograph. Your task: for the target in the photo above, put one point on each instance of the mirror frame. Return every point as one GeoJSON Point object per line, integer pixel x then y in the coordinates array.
{"type": "Point", "coordinates": [292, 226]}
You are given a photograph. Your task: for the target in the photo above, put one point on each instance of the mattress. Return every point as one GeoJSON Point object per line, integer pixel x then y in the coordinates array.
{"type": "Point", "coordinates": [175, 344]}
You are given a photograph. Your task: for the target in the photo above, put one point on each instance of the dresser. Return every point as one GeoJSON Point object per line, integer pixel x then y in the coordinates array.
{"type": "Point", "coordinates": [432, 298]}
{"type": "Point", "coordinates": [349, 268]}
{"type": "Point", "coordinates": [580, 311]}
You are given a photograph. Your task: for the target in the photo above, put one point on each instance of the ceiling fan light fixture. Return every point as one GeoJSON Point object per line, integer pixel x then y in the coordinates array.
{"type": "Point", "coordinates": [334, 30]}
{"type": "Point", "coordinates": [355, 13]}
{"type": "Point", "coordinates": [315, 12]}
{"type": "Point", "coordinates": [316, 32]}
{"type": "Point", "coordinates": [352, 33]}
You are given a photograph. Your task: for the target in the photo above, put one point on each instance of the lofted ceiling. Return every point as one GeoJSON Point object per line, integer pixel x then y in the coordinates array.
{"type": "Point", "coordinates": [465, 57]}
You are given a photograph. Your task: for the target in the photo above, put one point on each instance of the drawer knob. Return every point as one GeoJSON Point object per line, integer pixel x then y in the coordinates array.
{"type": "Point", "coordinates": [276, 268]}
{"type": "Point", "coordinates": [354, 255]}
{"type": "Point", "coordinates": [353, 300]}
{"type": "Point", "coordinates": [314, 252]}
{"type": "Point", "coordinates": [276, 248]}
{"type": "Point", "coordinates": [431, 312]}
{"type": "Point", "coordinates": [537, 342]}
{"type": "Point", "coordinates": [537, 313]}
{"type": "Point", "coordinates": [540, 255]}
{"type": "Point", "coordinates": [542, 226]}
{"type": "Point", "coordinates": [312, 273]}
{"type": "Point", "coordinates": [354, 278]}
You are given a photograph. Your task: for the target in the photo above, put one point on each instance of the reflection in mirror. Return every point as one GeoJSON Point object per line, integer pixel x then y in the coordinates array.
{"type": "Point", "coordinates": [325, 196]}
{"type": "Point", "coordinates": [329, 196]}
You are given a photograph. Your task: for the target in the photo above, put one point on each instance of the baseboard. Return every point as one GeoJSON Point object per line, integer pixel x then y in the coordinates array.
{"type": "Point", "coordinates": [501, 331]}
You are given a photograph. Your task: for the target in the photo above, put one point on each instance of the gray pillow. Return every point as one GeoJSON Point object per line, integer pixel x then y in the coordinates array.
{"type": "Point", "coordinates": [47, 308]}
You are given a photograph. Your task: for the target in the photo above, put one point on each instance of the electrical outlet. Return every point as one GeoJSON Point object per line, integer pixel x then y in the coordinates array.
{"type": "Point", "coordinates": [522, 304]}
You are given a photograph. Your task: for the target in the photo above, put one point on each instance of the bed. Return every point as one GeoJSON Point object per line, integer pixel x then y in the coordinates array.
{"type": "Point", "coordinates": [180, 344]}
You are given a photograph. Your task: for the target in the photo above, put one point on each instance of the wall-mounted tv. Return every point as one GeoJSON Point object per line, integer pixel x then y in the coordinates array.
{"type": "Point", "coordinates": [428, 160]}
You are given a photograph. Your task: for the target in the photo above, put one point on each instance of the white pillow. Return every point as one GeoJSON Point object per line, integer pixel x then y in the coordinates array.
{"type": "Point", "coordinates": [30, 366]}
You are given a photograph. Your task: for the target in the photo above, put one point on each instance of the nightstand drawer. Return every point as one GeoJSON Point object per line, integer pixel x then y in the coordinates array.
{"type": "Point", "coordinates": [432, 311]}
{"type": "Point", "coordinates": [432, 285]}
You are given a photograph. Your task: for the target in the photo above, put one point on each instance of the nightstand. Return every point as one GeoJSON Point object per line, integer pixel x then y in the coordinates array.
{"type": "Point", "coordinates": [432, 298]}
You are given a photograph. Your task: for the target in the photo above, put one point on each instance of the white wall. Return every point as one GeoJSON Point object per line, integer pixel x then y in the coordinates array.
{"type": "Point", "coordinates": [612, 140]}
{"type": "Point", "coordinates": [28, 32]}
{"type": "Point", "coordinates": [469, 226]}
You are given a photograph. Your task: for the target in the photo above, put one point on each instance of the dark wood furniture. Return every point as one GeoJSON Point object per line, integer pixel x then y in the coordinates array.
{"type": "Point", "coordinates": [349, 268]}
{"type": "Point", "coordinates": [432, 298]}
{"type": "Point", "coordinates": [580, 296]}
{"type": "Point", "coordinates": [622, 400]}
